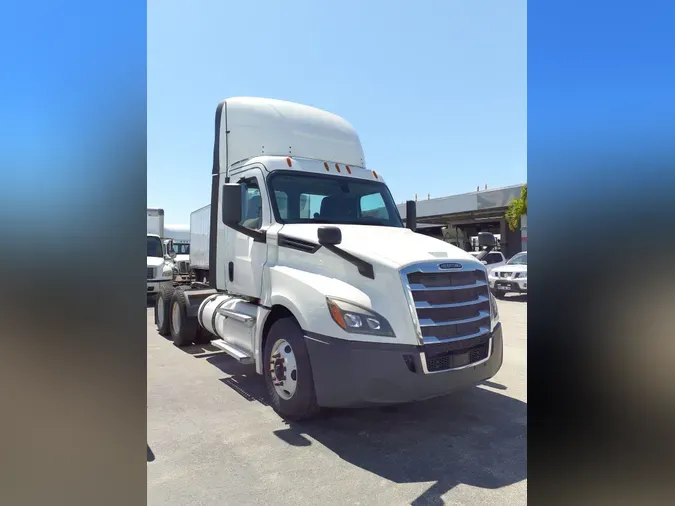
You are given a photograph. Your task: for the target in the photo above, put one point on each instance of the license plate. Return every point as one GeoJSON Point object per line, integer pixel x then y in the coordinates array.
{"type": "Point", "coordinates": [504, 286]}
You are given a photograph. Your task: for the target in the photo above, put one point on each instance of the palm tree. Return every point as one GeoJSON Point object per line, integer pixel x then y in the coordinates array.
{"type": "Point", "coordinates": [516, 209]}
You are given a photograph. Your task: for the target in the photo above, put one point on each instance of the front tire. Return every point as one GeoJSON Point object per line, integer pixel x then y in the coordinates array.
{"type": "Point", "coordinates": [288, 371]}
{"type": "Point", "coordinates": [183, 329]}
{"type": "Point", "coordinates": [162, 303]}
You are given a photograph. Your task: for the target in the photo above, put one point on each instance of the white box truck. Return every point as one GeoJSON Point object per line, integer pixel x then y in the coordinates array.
{"type": "Point", "coordinates": [160, 266]}
{"type": "Point", "coordinates": [332, 305]}
{"type": "Point", "coordinates": [199, 243]}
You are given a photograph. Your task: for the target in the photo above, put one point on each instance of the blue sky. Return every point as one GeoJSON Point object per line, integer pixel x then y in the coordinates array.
{"type": "Point", "coordinates": [436, 90]}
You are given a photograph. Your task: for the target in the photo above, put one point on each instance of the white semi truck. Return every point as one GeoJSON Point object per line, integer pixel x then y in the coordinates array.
{"type": "Point", "coordinates": [333, 304]}
{"type": "Point", "coordinates": [177, 239]}
{"type": "Point", "coordinates": [160, 266]}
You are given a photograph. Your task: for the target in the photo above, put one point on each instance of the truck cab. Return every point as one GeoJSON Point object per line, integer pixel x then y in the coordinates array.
{"type": "Point", "coordinates": [315, 281]}
{"type": "Point", "coordinates": [160, 268]}
{"type": "Point", "coordinates": [179, 236]}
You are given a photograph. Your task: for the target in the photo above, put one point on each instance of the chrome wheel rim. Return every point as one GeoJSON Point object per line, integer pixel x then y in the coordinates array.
{"type": "Point", "coordinates": [283, 369]}
{"type": "Point", "coordinates": [175, 317]}
{"type": "Point", "coordinates": [160, 311]}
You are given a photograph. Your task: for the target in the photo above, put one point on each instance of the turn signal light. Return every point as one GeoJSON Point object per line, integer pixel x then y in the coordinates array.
{"type": "Point", "coordinates": [336, 314]}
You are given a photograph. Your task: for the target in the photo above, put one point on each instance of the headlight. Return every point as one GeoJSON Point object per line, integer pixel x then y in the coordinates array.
{"type": "Point", "coordinates": [520, 275]}
{"type": "Point", "coordinates": [494, 311]}
{"type": "Point", "coordinates": [167, 272]}
{"type": "Point", "coordinates": [358, 320]}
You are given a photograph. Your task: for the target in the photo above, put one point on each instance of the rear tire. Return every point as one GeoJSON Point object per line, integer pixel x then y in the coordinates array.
{"type": "Point", "coordinates": [183, 329]}
{"type": "Point", "coordinates": [162, 303]}
{"type": "Point", "coordinates": [302, 403]}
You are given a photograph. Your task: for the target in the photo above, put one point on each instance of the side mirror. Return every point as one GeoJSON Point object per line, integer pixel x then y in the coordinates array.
{"type": "Point", "coordinates": [486, 239]}
{"type": "Point", "coordinates": [411, 215]}
{"type": "Point", "coordinates": [231, 204]}
{"type": "Point", "coordinates": [172, 254]}
{"type": "Point", "coordinates": [329, 236]}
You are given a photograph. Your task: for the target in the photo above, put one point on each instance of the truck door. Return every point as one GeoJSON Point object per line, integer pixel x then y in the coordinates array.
{"type": "Point", "coordinates": [246, 257]}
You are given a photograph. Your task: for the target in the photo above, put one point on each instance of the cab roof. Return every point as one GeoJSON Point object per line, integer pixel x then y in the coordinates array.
{"type": "Point", "coordinates": [249, 127]}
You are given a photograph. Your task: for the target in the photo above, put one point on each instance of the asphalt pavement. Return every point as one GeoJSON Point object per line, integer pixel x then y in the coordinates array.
{"type": "Point", "coordinates": [212, 439]}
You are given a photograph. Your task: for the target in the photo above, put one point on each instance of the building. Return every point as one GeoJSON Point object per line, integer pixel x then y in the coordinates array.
{"type": "Point", "coordinates": [457, 218]}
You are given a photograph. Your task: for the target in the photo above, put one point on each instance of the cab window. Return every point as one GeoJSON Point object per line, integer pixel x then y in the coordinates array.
{"type": "Point", "coordinates": [252, 212]}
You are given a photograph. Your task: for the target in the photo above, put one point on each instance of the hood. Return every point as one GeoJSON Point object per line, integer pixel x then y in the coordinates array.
{"type": "Point", "coordinates": [398, 246]}
{"type": "Point", "coordinates": [511, 268]}
{"type": "Point", "coordinates": [155, 261]}
{"type": "Point", "coordinates": [182, 258]}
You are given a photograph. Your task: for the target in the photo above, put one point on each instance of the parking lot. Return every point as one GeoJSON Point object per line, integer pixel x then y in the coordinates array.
{"type": "Point", "coordinates": [212, 440]}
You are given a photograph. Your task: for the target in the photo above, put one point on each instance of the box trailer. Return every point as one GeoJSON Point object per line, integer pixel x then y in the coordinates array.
{"type": "Point", "coordinates": [200, 221]}
{"type": "Point", "coordinates": [155, 218]}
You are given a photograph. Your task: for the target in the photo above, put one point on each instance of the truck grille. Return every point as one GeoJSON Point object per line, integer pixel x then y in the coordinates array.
{"type": "Point", "coordinates": [151, 273]}
{"type": "Point", "coordinates": [183, 267]}
{"type": "Point", "coordinates": [453, 310]}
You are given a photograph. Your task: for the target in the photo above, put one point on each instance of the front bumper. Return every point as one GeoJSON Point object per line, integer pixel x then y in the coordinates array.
{"type": "Point", "coordinates": [355, 374]}
{"type": "Point", "coordinates": [515, 285]}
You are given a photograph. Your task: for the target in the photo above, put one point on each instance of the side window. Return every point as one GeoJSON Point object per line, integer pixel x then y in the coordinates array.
{"type": "Point", "coordinates": [252, 212]}
{"type": "Point", "coordinates": [373, 205]}
{"type": "Point", "coordinates": [494, 258]}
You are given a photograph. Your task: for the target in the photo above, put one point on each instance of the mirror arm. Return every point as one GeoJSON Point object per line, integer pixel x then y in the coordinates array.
{"type": "Point", "coordinates": [257, 235]}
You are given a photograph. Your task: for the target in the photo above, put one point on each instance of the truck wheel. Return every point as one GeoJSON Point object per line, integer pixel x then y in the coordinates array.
{"type": "Point", "coordinates": [183, 329]}
{"type": "Point", "coordinates": [288, 371]}
{"type": "Point", "coordinates": [162, 302]}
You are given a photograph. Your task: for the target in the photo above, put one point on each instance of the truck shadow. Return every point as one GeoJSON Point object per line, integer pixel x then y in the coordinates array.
{"type": "Point", "coordinates": [476, 437]}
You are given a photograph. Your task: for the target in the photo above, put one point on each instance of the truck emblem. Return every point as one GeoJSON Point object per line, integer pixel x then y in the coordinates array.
{"type": "Point", "coordinates": [450, 266]}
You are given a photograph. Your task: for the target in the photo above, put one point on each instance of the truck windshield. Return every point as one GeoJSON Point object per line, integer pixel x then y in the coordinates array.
{"type": "Point", "coordinates": [181, 248]}
{"type": "Point", "coordinates": [309, 198]}
{"type": "Point", "coordinates": [155, 248]}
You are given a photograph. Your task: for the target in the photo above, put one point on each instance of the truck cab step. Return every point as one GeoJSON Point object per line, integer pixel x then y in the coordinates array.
{"type": "Point", "coordinates": [240, 356]}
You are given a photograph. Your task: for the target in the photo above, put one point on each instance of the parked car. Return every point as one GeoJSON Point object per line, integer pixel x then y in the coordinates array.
{"type": "Point", "coordinates": [491, 260]}
{"type": "Point", "coordinates": [511, 277]}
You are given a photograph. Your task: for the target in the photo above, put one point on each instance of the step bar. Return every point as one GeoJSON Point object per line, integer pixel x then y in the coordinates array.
{"type": "Point", "coordinates": [240, 356]}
